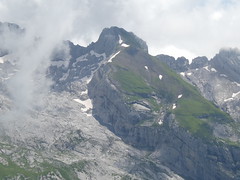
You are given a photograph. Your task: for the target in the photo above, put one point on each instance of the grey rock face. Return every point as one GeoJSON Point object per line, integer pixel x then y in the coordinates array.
{"type": "Point", "coordinates": [179, 65]}
{"type": "Point", "coordinates": [107, 42]}
{"type": "Point", "coordinates": [169, 60]}
{"type": "Point", "coordinates": [110, 37]}
{"type": "Point", "coordinates": [217, 79]}
{"type": "Point", "coordinates": [8, 30]}
{"type": "Point", "coordinates": [217, 88]}
{"type": "Point", "coordinates": [182, 153]}
{"type": "Point", "coordinates": [198, 62]}
{"type": "Point", "coordinates": [84, 61]}
{"type": "Point", "coordinates": [111, 111]}
{"type": "Point", "coordinates": [228, 62]}
{"type": "Point", "coordinates": [10, 27]}
{"type": "Point", "coordinates": [169, 144]}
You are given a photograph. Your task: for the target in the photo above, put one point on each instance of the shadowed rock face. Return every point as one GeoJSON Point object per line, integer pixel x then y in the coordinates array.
{"type": "Point", "coordinates": [187, 155]}
{"type": "Point", "coordinates": [218, 81]}
{"type": "Point", "coordinates": [228, 62]}
{"type": "Point", "coordinates": [198, 62]}
{"type": "Point", "coordinates": [180, 64]}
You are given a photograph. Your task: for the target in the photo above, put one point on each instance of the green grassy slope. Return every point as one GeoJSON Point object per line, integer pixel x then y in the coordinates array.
{"type": "Point", "coordinates": [20, 167]}
{"type": "Point", "coordinates": [13, 170]}
{"type": "Point", "coordinates": [192, 111]}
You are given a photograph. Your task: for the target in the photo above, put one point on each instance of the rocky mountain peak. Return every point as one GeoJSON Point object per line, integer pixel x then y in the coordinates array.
{"type": "Point", "coordinates": [8, 30]}
{"type": "Point", "coordinates": [180, 64]}
{"type": "Point", "coordinates": [229, 52]}
{"type": "Point", "coordinates": [199, 62]}
{"type": "Point", "coordinates": [112, 37]}
{"type": "Point", "coordinates": [227, 62]}
{"type": "Point", "coordinates": [5, 26]}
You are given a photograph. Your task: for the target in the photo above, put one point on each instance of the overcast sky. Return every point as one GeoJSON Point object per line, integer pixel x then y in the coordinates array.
{"type": "Point", "coordinates": [175, 27]}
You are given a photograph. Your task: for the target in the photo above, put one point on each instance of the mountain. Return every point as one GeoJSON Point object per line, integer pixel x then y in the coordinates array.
{"type": "Point", "coordinates": [116, 112]}
{"type": "Point", "coordinates": [217, 79]}
{"type": "Point", "coordinates": [150, 107]}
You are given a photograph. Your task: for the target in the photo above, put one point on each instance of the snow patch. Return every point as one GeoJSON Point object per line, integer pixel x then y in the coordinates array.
{"type": "Point", "coordinates": [1, 60]}
{"type": "Point", "coordinates": [84, 92]}
{"type": "Point", "coordinates": [81, 58]}
{"type": "Point", "coordinates": [213, 70]}
{"type": "Point", "coordinates": [160, 122]}
{"type": "Point", "coordinates": [125, 45]}
{"type": "Point", "coordinates": [140, 107]}
{"type": "Point", "coordinates": [4, 59]}
{"type": "Point", "coordinates": [207, 68]}
{"type": "Point", "coordinates": [189, 74]}
{"type": "Point", "coordinates": [60, 63]}
{"type": "Point", "coordinates": [87, 103]}
{"type": "Point", "coordinates": [174, 106]}
{"type": "Point", "coordinates": [146, 67]}
{"type": "Point", "coordinates": [229, 99]}
{"type": "Point", "coordinates": [92, 53]}
{"type": "Point", "coordinates": [235, 94]}
{"type": "Point", "coordinates": [120, 39]}
{"type": "Point", "coordinates": [237, 84]}
{"type": "Point", "coordinates": [179, 96]}
{"type": "Point", "coordinates": [4, 79]}
{"type": "Point", "coordinates": [65, 76]}
{"type": "Point", "coordinates": [88, 79]}
{"type": "Point", "coordinates": [182, 73]}
{"type": "Point", "coordinates": [113, 56]}
{"type": "Point", "coordinates": [160, 76]}
{"type": "Point", "coordinates": [223, 75]}
{"type": "Point", "coordinates": [85, 57]}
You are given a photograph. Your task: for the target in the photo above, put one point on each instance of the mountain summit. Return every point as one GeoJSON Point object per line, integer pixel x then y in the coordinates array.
{"type": "Point", "coordinates": [111, 38]}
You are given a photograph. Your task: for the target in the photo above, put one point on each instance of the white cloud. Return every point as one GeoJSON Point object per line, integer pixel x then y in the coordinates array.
{"type": "Point", "coordinates": [173, 51]}
{"type": "Point", "coordinates": [198, 27]}
{"type": "Point", "coordinates": [216, 15]}
{"type": "Point", "coordinates": [45, 29]}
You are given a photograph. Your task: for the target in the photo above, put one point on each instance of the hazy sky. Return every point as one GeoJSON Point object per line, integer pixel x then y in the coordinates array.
{"type": "Point", "coordinates": [175, 27]}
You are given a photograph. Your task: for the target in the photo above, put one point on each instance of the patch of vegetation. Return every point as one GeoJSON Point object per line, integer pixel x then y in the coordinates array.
{"type": "Point", "coordinates": [67, 171]}
{"type": "Point", "coordinates": [132, 83]}
{"type": "Point", "coordinates": [126, 177]}
{"type": "Point", "coordinates": [198, 115]}
{"type": "Point", "coordinates": [135, 87]}
{"type": "Point", "coordinates": [12, 170]}
{"type": "Point", "coordinates": [230, 143]}
{"type": "Point", "coordinates": [193, 112]}
{"type": "Point", "coordinates": [172, 84]}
